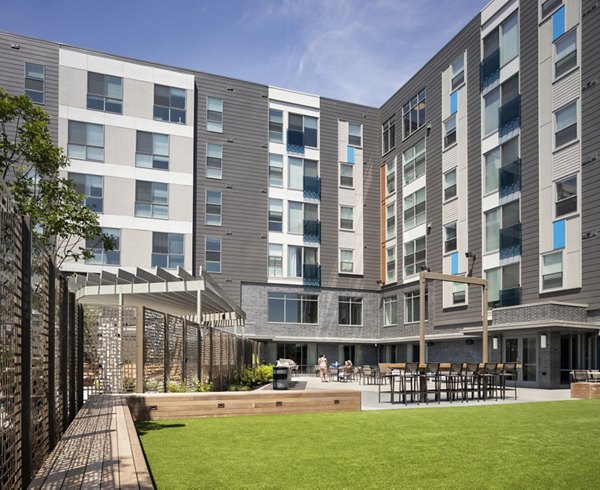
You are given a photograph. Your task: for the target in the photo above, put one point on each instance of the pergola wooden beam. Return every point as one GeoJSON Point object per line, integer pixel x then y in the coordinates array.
{"type": "Point", "coordinates": [436, 276]}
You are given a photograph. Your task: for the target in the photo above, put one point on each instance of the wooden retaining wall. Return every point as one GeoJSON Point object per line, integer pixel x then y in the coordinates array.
{"type": "Point", "coordinates": [190, 405]}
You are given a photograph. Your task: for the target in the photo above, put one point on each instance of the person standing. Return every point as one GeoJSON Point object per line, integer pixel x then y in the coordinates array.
{"type": "Point", "coordinates": [323, 368]}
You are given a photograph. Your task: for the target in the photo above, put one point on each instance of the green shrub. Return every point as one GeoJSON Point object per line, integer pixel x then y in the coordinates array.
{"type": "Point", "coordinates": [174, 387]}
{"type": "Point", "coordinates": [257, 376]}
{"type": "Point", "coordinates": [238, 388]}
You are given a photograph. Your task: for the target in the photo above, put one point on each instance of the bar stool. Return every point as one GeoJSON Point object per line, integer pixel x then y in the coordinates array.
{"type": "Point", "coordinates": [432, 373]}
{"type": "Point", "coordinates": [454, 382]}
{"type": "Point", "coordinates": [471, 381]}
{"type": "Point", "coordinates": [409, 380]}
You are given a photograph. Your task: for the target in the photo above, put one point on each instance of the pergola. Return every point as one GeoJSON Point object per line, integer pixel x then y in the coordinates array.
{"type": "Point", "coordinates": [425, 276]}
{"type": "Point", "coordinates": [198, 298]}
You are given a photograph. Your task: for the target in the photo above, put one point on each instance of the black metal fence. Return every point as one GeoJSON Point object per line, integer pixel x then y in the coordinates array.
{"type": "Point", "coordinates": [40, 348]}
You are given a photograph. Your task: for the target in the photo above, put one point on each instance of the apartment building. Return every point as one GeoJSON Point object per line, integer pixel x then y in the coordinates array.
{"type": "Point", "coordinates": [317, 215]}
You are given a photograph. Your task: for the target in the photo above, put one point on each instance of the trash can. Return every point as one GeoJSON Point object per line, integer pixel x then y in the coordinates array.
{"type": "Point", "coordinates": [281, 377]}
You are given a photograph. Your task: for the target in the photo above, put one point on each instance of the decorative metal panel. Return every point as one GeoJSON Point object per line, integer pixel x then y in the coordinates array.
{"type": "Point", "coordinates": [175, 344]}
{"type": "Point", "coordinates": [154, 351]}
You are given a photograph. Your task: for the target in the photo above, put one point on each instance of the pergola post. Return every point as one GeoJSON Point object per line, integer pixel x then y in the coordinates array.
{"type": "Point", "coordinates": [484, 343]}
{"type": "Point", "coordinates": [422, 318]}
{"type": "Point", "coordinates": [139, 357]}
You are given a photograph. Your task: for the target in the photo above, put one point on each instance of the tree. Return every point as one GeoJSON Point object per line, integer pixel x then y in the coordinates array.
{"type": "Point", "coordinates": [30, 166]}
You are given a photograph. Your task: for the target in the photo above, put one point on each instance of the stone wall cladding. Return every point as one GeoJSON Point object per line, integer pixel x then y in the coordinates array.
{"type": "Point", "coordinates": [254, 303]}
{"type": "Point", "coordinates": [534, 313]}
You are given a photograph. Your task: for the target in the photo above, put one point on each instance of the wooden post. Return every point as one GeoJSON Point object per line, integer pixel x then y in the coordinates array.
{"type": "Point", "coordinates": [422, 318]}
{"type": "Point", "coordinates": [139, 358]}
{"type": "Point", "coordinates": [484, 343]}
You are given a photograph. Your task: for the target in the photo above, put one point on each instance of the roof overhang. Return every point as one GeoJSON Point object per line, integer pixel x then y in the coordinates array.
{"type": "Point", "coordinates": [177, 293]}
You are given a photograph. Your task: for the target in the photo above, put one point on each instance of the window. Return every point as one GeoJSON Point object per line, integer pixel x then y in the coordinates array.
{"type": "Point", "coordinates": [298, 257]}
{"type": "Point", "coordinates": [390, 311]}
{"type": "Point", "coordinates": [566, 196]}
{"type": "Point", "coordinates": [275, 260]}
{"type": "Point", "coordinates": [213, 254]}
{"type": "Point", "coordinates": [151, 199]}
{"type": "Point", "coordinates": [167, 250]}
{"type": "Point", "coordinates": [493, 277]}
{"type": "Point", "coordinates": [307, 125]}
{"type": "Point", "coordinates": [450, 238]}
{"type": "Point", "coordinates": [275, 170]}
{"type": "Point", "coordinates": [214, 205]}
{"type": "Point", "coordinates": [450, 131]}
{"type": "Point", "coordinates": [390, 177]}
{"type": "Point", "coordinates": [101, 256]}
{"type": "Point", "coordinates": [458, 72]}
{"type": "Point", "coordinates": [214, 161]}
{"type": "Point", "coordinates": [346, 175]}
{"type": "Point", "coordinates": [509, 39]}
{"type": "Point", "coordinates": [459, 293]}
{"type": "Point", "coordinates": [388, 134]}
{"type": "Point", "coordinates": [34, 82]}
{"type": "Point", "coordinates": [492, 230]}
{"type": "Point", "coordinates": [390, 220]}
{"type": "Point", "coordinates": [413, 114]}
{"type": "Point", "coordinates": [412, 307]}
{"type": "Point", "coordinates": [214, 114]}
{"type": "Point", "coordinates": [295, 173]}
{"type": "Point", "coordinates": [390, 265]}
{"type": "Point", "coordinates": [104, 93]}
{"type": "Point", "coordinates": [414, 209]}
{"type": "Point", "coordinates": [491, 111]}
{"type": "Point", "coordinates": [492, 167]}
{"type": "Point", "coordinates": [449, 185]}
{"type": "Point", "coordinates": [346, 218]}
{"type": "Point", "coordinates": [552, 273]}
{"type": "Point", "coordinates": [86, 141]}
{"type": "Point", "coordinates": [152, 150]}
{"type": "Point", "coordinates": [276, 214]}
{"type": "Point", "coordinates": [91, 187]}
{"type": "Point", "coordinates": [414, 162]}
{"type": "Point", "coordinates": [565, 124]}
{"type": "Point", "coordinates": [414, 256]}
{"type": "Point", "coordinates": [346, 261]}
{"type": "Point", "coordinates": [169, 104]}
{"type": "Point", "coordinates": [295, 218]}
{"type": "Point", "coordinates": [354, 134]}
{"type": "Point", "coordinates": [350, 311]}
{"type": "Point", "coordinates": [293, 308]}
{"type": "Point", "coordinates": [565, 53]}
{"type": "Point", "coordinates": [549, 6]}
{"type": "Point", "coordinates": [275, 126]}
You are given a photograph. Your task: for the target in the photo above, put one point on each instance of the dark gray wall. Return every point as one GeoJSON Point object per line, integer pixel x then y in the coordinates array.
{"type": "Point", "coordinates": [12, 71]}
{"type": "Point", "coordinates": [331, 112]}
{"type": "Point", "coordinates": [244, 184]}
{"type": "Point", "coordinates": [430, 78]}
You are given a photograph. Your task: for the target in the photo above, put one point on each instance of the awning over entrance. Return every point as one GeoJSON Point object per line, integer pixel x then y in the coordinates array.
{"type": "Point", "coordinates": [198, 298]}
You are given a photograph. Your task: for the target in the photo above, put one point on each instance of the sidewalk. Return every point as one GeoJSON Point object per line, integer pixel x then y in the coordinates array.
{"type": "Point", "coordinates": [370, 395]}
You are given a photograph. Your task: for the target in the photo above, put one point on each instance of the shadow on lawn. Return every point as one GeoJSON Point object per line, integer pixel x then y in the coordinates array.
{"type": "Point", "coordinates": [144, 427]}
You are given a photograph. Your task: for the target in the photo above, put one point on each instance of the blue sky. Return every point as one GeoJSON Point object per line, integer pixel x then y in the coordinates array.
{"type": "Point", "coordinates": [355, 50]}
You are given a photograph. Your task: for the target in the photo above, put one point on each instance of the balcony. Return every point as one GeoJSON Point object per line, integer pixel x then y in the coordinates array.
{"type": "Point", "coordinates": [489, 70]}
{"type": "Point", "coordinates": [312, 231]}
{"type": "Point", "coordinates": [295, 141]}
{"type": "Point", "coordinates": [510, 241]}
{"type": "Point", "coordinates": [510, 116]}
{"type": "Point", "coordinates": [509, 178]}
{"type": "Point", "coordinates": [510, 297]}
{"type": "Point", "coordinates": [311, 274]}
{"type": "Point", "coordinates": [312, 187]}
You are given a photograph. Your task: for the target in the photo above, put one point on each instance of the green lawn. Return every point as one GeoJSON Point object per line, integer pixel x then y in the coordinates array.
{"type": "Point", "coordinates": [530, 445]}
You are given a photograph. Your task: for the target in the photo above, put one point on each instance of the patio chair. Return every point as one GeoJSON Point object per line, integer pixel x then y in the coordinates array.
{"type": "Point", "coordinates": [489, 380]}
{"type": "Point", "coordinates": [333, 374]}
{"type": "Point", "coordinates": [454, 381]}
{"type": "Point", "coordinates": [432, 375]}
{"type": "Point", "coordinates": [594, 376]}
{"type": "Point", "coordinates": [472, 381]}
{"type": "Point", "coordinates": [316, 370]}
{"type": "Point", "coordinates": [410, 382]}
{"type": "Point", "coordinates": [508, 373]}
{"type": "Point", "coordinates": [366, 375]}
{"type": "Point", "coordinates": [579, 376]}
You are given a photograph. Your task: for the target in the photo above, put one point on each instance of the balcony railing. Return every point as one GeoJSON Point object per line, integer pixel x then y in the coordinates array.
{"type": "Point", "coordinates": [510, 116]}
{"type": "Point", "coordinates": [489, 70]}
{"type": "Point", "coordinates": [312, 231]}
{"type": "Point", "coordinates": [510, 178]}
{"type": "Point", "coordinates": [510, 241]}
{"type": "Point", "coordinates": [510, 297]}
{"type": "Point", "coordinates": [311, 274]}
{"type": "Point", "coordinates": [295, 141]}
{"type": "Point", "coordinates": [312, 187]}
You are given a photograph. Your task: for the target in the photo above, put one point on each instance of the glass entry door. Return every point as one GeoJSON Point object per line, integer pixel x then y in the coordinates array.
{"type": "Point", "coordinates": [523, 350]}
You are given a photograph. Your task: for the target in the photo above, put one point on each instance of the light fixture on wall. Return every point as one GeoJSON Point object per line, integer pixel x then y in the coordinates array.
{"type": "Point", "coordinates": [430, 344]}
{"type": "Point", "coordinates": [543, 341]}
{"type": "Point", "coordinates": [469, 341]}
{"type": "Point", "coordinates": [495, 343]}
